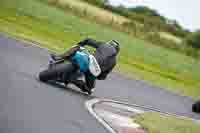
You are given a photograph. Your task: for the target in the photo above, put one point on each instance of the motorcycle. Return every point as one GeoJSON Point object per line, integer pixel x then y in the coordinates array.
{"type": "Point", "coordinates": [69, 70]}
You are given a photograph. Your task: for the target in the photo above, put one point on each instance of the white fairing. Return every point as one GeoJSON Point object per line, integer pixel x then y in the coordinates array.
{"type": "Point", "coordinates": [94, 66]}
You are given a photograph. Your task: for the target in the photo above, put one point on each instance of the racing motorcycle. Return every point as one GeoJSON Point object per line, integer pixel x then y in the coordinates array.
{"type": "Point", "coordinates": [71, 67]}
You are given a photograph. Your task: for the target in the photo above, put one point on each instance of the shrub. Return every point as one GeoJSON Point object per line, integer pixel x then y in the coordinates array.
{"type": "Point", "coordinates": [193, 40]}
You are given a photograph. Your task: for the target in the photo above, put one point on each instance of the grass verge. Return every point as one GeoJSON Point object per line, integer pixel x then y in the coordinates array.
{"type": "Point", "coordinates": [57, 30]}
{"type": "Point", "coordinates": [157, 123]}
{"type": "Point", "coordinates": [90, 10]}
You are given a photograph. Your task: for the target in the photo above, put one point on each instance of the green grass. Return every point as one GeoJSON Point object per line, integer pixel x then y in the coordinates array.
{"type": "Point", "coordinates": [157, 123]}
{"type": "Point", "coordinates": [57, 30]}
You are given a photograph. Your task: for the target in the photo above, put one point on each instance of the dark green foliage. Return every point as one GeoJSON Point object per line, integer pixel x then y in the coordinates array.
{"type": "Point", "coordinates": [99, 3]}
{"type": "Point", "coordinates": [146, 11]}
{"type": "Point", "coordinates": [192, 44]}
{"type": "Point", "coordinates": [175, 28]}
{"type": "Point", "coordinates": [119, 10]}
{"type": "Point", "coordinates": [193, 40]}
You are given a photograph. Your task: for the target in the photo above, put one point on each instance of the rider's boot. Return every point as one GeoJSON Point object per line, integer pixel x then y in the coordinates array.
{"type": "Point", "coordinates": [87, 89]}
{"type": "Point", "coordinates": [80, 84]}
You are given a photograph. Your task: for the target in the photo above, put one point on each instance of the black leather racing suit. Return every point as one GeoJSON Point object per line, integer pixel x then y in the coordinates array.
{"type": "Point", "coordinates": [105, 55]}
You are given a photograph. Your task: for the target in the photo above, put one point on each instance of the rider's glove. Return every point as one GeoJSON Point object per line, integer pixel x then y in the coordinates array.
{"type": "Point", "coordinates": [83, 42]}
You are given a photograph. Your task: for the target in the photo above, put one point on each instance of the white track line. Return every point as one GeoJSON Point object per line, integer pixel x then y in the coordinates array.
{"type": "Point", "coordinates": [90, 104]}
{"type": "Point", "coordinates": [118, 119]}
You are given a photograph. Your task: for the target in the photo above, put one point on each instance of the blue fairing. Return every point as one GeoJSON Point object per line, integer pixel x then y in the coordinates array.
{"type": "Point", "coordinates": [82, 60]}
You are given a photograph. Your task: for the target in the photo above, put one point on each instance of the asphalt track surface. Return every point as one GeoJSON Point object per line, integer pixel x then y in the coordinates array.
{"type": "Point", "coordinates": [29, 106]}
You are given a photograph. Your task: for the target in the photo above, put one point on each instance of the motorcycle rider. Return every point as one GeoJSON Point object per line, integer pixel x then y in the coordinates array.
{"type": "Point", "coordinates": [105, 55]}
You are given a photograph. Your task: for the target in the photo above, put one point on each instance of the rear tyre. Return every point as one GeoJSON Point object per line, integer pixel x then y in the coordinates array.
{"type": "Point", "coordinates": [196, 107]}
